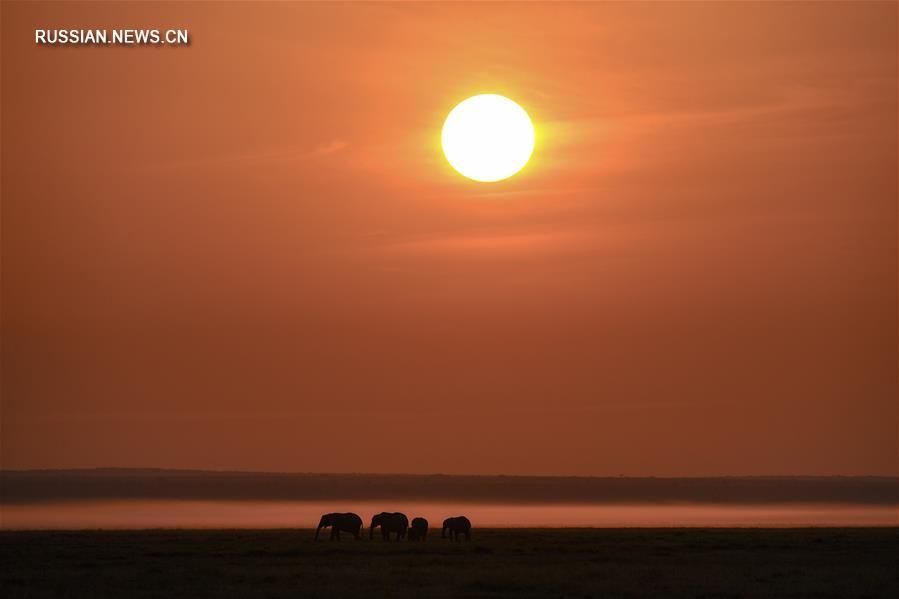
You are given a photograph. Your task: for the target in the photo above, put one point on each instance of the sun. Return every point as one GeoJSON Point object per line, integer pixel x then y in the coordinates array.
{"type": "Point", "coordinates": [488, 137]}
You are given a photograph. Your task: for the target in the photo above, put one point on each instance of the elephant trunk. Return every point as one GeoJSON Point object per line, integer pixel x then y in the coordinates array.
{"type": "Point", "coordinates": [371, 531]}
{"type": "Point", "coordinates": [318, 530]}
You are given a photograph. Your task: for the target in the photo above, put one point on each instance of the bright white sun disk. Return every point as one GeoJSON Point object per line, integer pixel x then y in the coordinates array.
{"type": "Point", "coordinates": [488, 137]}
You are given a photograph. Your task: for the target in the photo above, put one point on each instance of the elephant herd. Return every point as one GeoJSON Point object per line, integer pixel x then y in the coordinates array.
{"type": "Point", "coordinates": [392, 523]}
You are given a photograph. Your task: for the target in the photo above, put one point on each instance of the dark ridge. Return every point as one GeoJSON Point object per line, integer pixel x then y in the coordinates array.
{"type": "Point", "coordinates": [35, 486]}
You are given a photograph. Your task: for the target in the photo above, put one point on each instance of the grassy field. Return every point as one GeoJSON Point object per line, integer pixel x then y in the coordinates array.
{"type": "Point", "coordinates": [496, 563]}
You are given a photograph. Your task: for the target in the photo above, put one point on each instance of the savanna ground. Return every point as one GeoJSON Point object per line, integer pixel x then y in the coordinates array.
{"type": "Point", "coordinates": [814, 562]}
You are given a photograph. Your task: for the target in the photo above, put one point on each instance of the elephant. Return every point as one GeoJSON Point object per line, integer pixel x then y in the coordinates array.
{"type": "Point", "coordinates": [390, 522]}
{"type": "Point", "coordinates": [460, 525]}
{"type": "Point", "coordinates": [347, 522]}
{"type": "Point", "coordinates": [418, 531]}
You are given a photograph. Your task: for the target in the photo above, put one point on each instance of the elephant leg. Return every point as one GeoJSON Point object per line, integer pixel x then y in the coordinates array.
{"type": "Point", "coordinates": [385, 536]}
{"type": "Point", "coordinates": [338, 534]}
{"type": "Point", "coordinates": [333, 533]}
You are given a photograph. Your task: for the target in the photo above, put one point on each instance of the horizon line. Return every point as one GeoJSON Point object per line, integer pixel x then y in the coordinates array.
{"type": "Point", "coordinates": [4, 470]}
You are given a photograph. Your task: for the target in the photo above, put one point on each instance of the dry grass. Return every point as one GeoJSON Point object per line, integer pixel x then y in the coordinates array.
{"type": "Point", "coordinates": [497, 563]}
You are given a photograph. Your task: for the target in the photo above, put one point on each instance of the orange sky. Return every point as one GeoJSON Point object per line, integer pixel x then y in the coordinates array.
{"type": "Point", "coordinates": [250, 253]}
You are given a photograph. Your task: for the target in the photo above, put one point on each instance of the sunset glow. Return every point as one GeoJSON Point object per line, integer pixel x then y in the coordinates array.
{"type": "Point", "coordinates": [449, 299]}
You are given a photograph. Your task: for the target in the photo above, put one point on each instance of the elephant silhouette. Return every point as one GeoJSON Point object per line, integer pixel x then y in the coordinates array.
{"type": "Point", "coordinates": [338, 522]}
{"type": "Point", "coordinates": [418, 531]}
{"type": "Point", "coordinates": [390, 522]}
{"type": "Point", "coordinates": [460, 525]}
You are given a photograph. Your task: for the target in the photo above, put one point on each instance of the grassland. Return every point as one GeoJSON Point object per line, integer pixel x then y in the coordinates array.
{"type": "Point", "coordinates": [496, 563]}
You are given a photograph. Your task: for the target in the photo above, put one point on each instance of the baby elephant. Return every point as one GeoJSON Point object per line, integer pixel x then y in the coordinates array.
{"type": "Point", "coordinates": [418, 531]}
